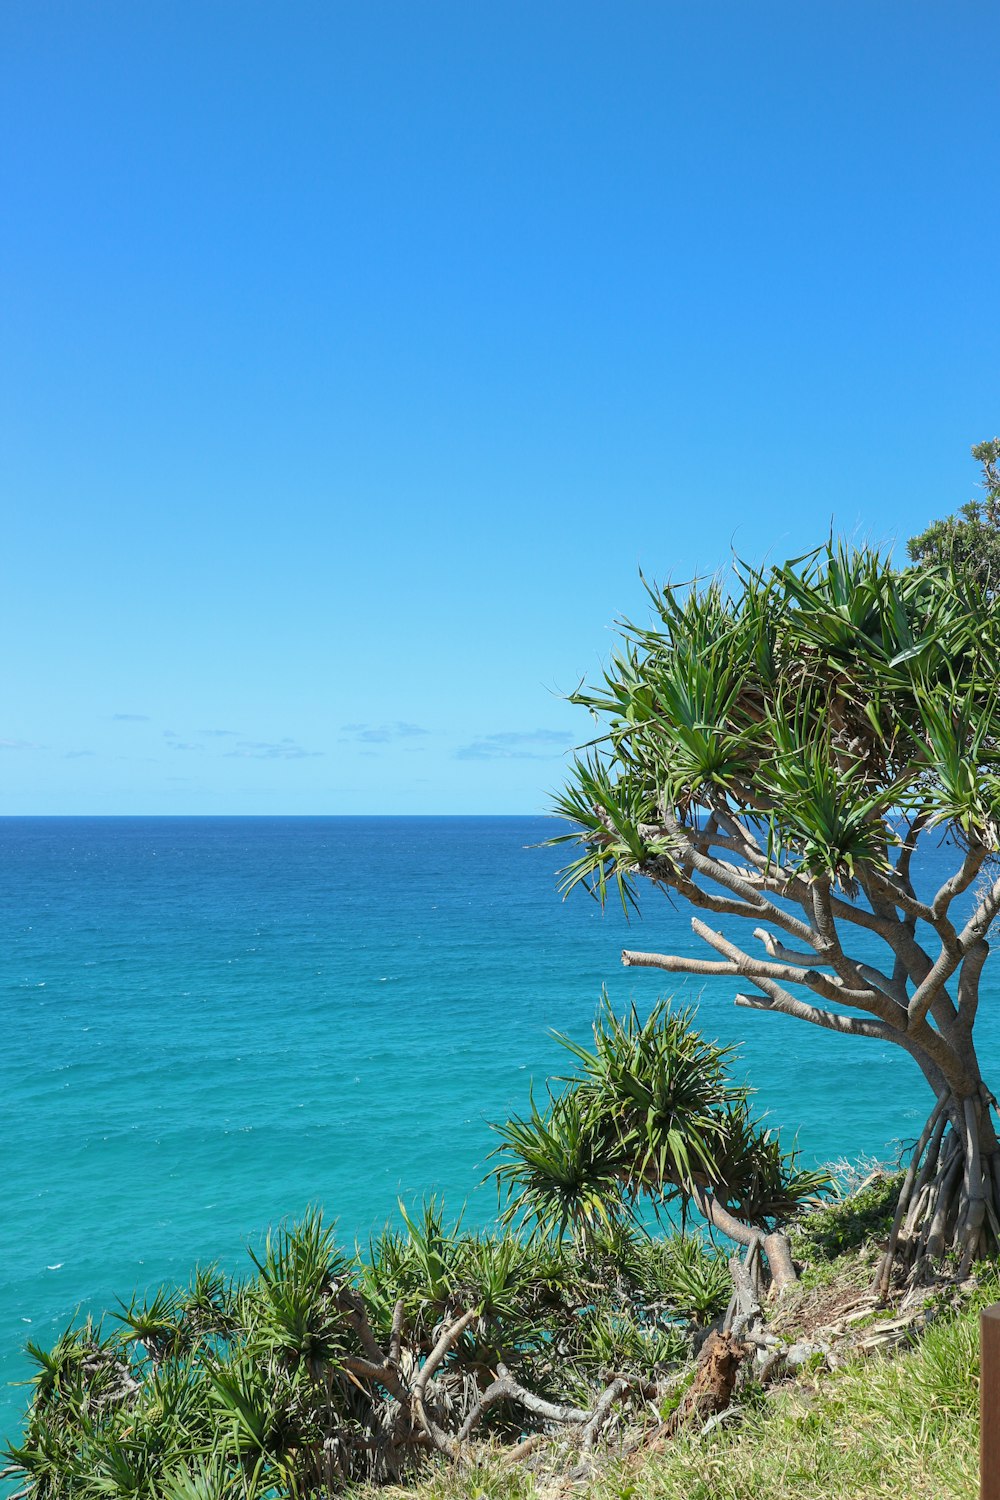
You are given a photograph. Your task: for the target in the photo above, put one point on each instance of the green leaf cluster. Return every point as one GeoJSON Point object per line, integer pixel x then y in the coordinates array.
{"type": "Point", "coordinates": [817, 701]}
{"type": "Point", "coordinates": [652, 1116]}
{"type": "Point", "coordinates": [245, 1390]}
{"type": "Point", "coordinates": [970, 540]}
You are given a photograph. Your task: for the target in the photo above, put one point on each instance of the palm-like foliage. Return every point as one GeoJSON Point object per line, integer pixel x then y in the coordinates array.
{"type": "Point", "coordinates": [295, 1315]}
{"type": "Point", "coordinates": [620, 1339]}
{"type": "Point", "coordinates": [154, 1324]}
{"type": "Point", "coordinates": [775, 754]}
{"type": "Point", "coordinates": [760, 1181]}
{"type": "Point", "coordinates": [970, 539]}
{"type": "Point", "coordinates": [652, 1113]}
{"type": "Point", "coordinates": [560, 1171]}
{"type": "Point", "coordinates": [285, 1400]}
{"type": "Point", "coordinates": [692, 1277]}
{"type": "Point", "coordinates": [655, 1087]}
{"type": "Point", "coordinates": [821, 697]}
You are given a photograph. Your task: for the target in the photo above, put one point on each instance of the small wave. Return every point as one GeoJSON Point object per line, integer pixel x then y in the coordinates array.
{"type": "Point", "coordinates": [57, 1267]}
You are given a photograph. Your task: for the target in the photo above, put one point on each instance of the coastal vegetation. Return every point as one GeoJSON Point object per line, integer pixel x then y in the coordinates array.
{"type": "Point", "coordinates": [776, 755]}
{"type": "Point", "coordinates": [970, 539]}
{"type": "Point", "coordinates": [879, 1427]}
{"type": "Point", "coordinates": [653, 1116]}
{"type": "Point", "coordinates": [325, 1367]}
{"type": "Point", "coordinates": [476, 1364]}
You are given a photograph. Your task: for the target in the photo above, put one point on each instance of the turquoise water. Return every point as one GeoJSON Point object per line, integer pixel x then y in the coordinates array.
{"type": "Point", "coordinates": [212, 1023]}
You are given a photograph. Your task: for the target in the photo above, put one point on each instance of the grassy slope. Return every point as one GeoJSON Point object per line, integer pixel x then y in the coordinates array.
{"type": "Point", "coordinates": [903, 1425]}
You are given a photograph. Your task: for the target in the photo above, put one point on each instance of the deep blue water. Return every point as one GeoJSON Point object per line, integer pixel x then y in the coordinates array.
{"type": "Point", "coordinates": [211, 1023]}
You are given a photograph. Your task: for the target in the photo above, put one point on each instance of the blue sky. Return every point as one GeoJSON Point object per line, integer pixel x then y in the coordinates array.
{"type": "Point", "coordinates": [355, 357]}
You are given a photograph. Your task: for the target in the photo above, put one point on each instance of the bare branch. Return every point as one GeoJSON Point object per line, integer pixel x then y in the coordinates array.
{"type": "Point", "coordinates": [782, 1003]}
{"type": "Point", "coordinates": [602, 1411]}
{"type": "Point", "coordinates": [894, 891]}
{"type": "Point", "coordinates": [955, 947]}
{"type": "Point", "coordinates": [784, 955]}
{"type": "Point", "coordinates": [973, 862]}
{"type": "Point", "coordinates": [706, 900]}
{"type": "Point", "coordinates": [930, 986]}
{"type": "Point", "coordinates": [968, 984]}
{"type": "Point", "coordinates": [979, 923]}
{"type": "Point", "coordinates": [447, 1341]}
{"type": "Point", "coordinates": [741, 884]}
{"type": "Point", "coordinates": [383, 1374]}
{"type": "Point", "coordinates": [821, 984]}
{"type": "Point", "coordinates": [913, 833]}
{"type": "Point", "coordinates": [505, 1388]}
{"type": "Point", "coordinates": [719, 1216]}
{"type": "Point", "coordinates": [894, 988]}
{"type": "Point", "coordinates": [396, 1332]}
{"type": "Point", "coordinates": [873, 921]}
{"type": "Point", "coordinates": [352, 1308]}
{"type": "Point", "coordinates": [912, 960]}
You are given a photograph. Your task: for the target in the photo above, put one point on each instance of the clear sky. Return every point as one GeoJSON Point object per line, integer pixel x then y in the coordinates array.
{"type": "Point", "coordinates": [355, 357]}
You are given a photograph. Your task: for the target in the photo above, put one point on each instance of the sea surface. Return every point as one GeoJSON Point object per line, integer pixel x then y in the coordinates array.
{"type": "Point", "coordinates": [210, 1024]}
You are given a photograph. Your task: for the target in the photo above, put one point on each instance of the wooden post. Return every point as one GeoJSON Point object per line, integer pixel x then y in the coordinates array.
{"type": "Point", "coordinates": [989, 1403]}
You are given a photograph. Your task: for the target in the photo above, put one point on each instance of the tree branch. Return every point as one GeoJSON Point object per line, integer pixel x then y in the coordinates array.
{"type": "Point", "coordinates": [893, 988]}
{"type": "Point", "coordinates": [954, 946]}
{"type": "Point", "coordinates": [973, 862]}
{"type": "Point", "coordinates": [447, 1341]}
{"type": "Point", "coordinates": [754, 968]}
{"type": "Point", "coordinates": [730, 879]}
{"type": "Point", "coordinates": [505, 1388]}
{"type": "Point", "coordinates": [913, 833]}
{"type": "Point", "coordinates": [979, 923]}
{"type": "Point", "coordinates": [930, 987]}
{"type": "Point", "coordinates": [780, 1002]}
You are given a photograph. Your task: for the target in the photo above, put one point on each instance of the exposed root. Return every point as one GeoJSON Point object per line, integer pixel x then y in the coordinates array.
{"type": "Point", "coordinates": [950, 1198]}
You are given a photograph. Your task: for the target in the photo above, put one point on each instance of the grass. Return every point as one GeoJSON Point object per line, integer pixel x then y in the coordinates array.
{"type": "Point", "coordinates": [904, 1426]}
{"type": "Point", "coordinates": [848, 1223]}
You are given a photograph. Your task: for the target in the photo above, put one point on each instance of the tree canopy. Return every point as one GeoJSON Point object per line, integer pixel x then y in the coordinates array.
{"type": "Point", "coordinates": [970, 539]}
{"type": "Point", "coordinates": [652, 1115]}
{"type": "Point", "coordinates": [775, 753]}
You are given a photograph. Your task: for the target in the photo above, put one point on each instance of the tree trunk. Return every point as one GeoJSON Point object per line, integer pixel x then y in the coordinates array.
{"type": "Point", "coordinates": [775, 1246]}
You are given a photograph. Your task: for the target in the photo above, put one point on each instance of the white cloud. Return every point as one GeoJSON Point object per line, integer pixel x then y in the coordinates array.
{"type": "Point", "coordinates": [516, 744]}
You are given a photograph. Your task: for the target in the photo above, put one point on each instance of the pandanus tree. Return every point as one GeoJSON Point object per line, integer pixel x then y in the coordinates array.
{"type": "Point", "coordinates": [775, 754]}
{"type": "Point", "coordinates": [325, 1370]}
{"type": "Point", "coordinates": [651, 1116]}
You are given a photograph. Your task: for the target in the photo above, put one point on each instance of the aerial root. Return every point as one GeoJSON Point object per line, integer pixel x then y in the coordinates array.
{"type": "Point", "coordinates": [914, 1191]}
{"type": "Point", "coordinates": [949, 1200]}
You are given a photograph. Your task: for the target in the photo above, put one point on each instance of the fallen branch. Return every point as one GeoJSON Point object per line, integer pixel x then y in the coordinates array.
{"type": "Point", "coordinates": [505, 1388]}
{"type": "Point", "coordinates": [602, 1411]}
{"type": "Point", "coordinates": [711, 1391]}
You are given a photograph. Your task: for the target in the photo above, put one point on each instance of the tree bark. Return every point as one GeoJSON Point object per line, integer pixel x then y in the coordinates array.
{"type": "Point", "coordinates": [923, 1002]}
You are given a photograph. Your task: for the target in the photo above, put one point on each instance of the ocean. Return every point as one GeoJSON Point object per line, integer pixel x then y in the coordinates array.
{"type": "Point", "coordinates": [212, 1023]}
